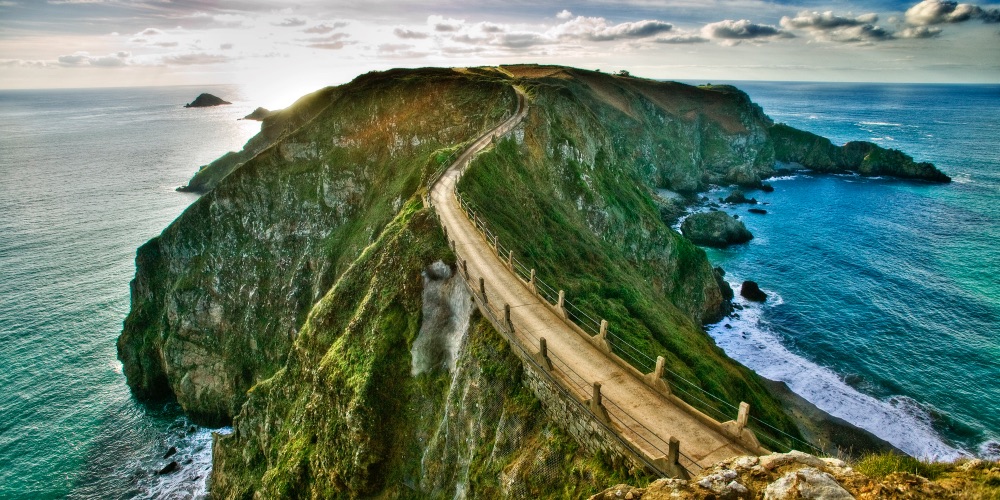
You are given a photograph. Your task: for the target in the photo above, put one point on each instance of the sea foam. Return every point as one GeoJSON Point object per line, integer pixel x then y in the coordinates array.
{"type": "Point", "coordinates": [900, 420]}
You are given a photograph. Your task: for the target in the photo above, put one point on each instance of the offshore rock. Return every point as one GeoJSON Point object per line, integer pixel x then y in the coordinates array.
{"type": "Point", "coordinates": [715, 229]}
{"type": "Point", "coordinates": [751, 291]}
{"type": "Point", "coordinates": [737, 197]}
{"type": "Point", "coordinates": [206, 101]}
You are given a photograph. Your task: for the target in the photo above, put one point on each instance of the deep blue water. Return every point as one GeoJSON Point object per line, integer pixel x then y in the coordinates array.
{"type": "Point", "coordinates": [885, 294]}
{"type": "Point", "coordinates": [85, 178]}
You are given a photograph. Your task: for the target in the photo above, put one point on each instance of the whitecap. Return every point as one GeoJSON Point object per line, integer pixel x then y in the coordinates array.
{"type": "Point", "coordinates": [880, 124]}
{"type": "Point", "coordinates": [901, 421]}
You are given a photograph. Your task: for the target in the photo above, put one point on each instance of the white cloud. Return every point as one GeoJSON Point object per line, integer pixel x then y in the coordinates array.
{"type": "Point", "coordinates": [445, 25]}
{"type": "Point", "coordinates": [409, 34]}
{"type": "Point", "coordinates": [194, 58]}
{"type": "Point", "coordinates": [322, 29]}
{"type": "Point", "coordinates": [564, 15]}
{"type": "Point", "coordinates": [826, 20]}
{"type": "Point", "coordinates": [83, 59]}
{"type": "Point", "coordinates": [930, 12]}
{"type": "Point", "coordinates": [919, 32]}
{"type": "Point", "coordinates": [686, 38]}
{"type": "Point", "coordinates": [597, 29]}
{"type": "Point", "coordinates": [742, 30]}
{"type": "Point", "coordinates": [290, 22]}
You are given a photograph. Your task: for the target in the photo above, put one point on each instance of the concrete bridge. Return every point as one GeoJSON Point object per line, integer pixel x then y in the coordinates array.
{"type": "Point", "coordinates": [602, 400]}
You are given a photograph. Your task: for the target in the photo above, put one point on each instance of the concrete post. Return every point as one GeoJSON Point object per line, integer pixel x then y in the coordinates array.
{"type": "Point", "coordinates": [496, 244]}
{"type": "Point", "coordinates": [543, 355]}
{"type": "Point", "coordinates": [445, 229]}
{"type": "Point", "coordinates": [562, 299]}
{"type": "Point", "coordinates": [743, 417]}
{"type": "Point", "coordinates": [482, 289]}
{"type": "Point", "coordinates": [660, 362]}
{"type": "Point", "coordinates": [531, 283]}
{"type": "Point", "coordinates": [596, 398]}
{"type": "Point", "coordinates": [453, 246]}
{"type": "Point", "coordinates": [465, 269]}
{"type": "Point", "coordinates": [674, 451]}
{"type": "Point", "coordinates": [655, 379]}
{"type": "Point", "coordinates": [604, 329]}
{"type": "Point", "coordinates": [510, 260]}
{"type": "Point", "coordinates": [506, 317]}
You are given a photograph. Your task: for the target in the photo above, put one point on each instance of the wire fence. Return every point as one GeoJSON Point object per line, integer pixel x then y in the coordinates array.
{"type": "Point", "coordinates": [717, 407]}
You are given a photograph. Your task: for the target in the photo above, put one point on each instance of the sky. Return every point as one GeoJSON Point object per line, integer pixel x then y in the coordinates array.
{"type": "Point", "coordinates": [288, 48]}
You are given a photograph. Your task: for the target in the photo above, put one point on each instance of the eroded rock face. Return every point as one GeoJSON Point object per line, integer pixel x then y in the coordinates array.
{"type": "Point", "coordinates": [715, 229]}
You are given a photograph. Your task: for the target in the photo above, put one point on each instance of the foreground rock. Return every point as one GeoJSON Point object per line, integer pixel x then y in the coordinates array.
{"type": "Point", "coordinates": [797, 475]}
{"type": "Point", "coordinates": [715, 229]}
{"type": "Point", "coordinates": [206, 101]}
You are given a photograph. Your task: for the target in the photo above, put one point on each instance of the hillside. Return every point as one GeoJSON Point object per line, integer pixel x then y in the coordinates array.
{"type": "Point", "coordinates": [296, 298]}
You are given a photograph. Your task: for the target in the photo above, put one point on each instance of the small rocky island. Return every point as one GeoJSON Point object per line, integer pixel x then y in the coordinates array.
{"type": "Point", "coordinates": [715, 229]}
{"type": "Point", "coordinates": [206, 101]}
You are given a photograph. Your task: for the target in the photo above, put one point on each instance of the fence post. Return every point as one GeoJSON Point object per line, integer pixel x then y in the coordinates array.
{"type": "Point", "coordinates": [482, 290]}
{"type": "Point", "coordinates": [543, 354]}
{"type": "Point", "coordinates": [743, 416]}
{"type": "Point", "coordinates": [602, 338]}
{"type": "Point", "coordinates": [597, 394]}
{"type": "Point", "coordinates": [496, 244]}
{"type": "Point", "coordinates": [561, 304]}
{"type": "Point", "coordinates": [604, 329]}
{"type": "Point", "coordinates": [506, 317]}
{"type": "Point", "coordinates": [465, 269]}
{"type": "Point", "coordinates": [655, 379]}
{"type": "Point", "coordinates": [445, 230]}
{"type": "Point", "coordinates": [510, 260]}
{"type": "Point", "coordinates": [597, 406]}
{"type": "Point", "coordinates": [531, 283]}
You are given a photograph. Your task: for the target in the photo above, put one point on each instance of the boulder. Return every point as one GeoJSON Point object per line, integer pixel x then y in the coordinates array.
{"type": "Point", "coordinates": [715, 229]}
{"type": "Point", "coordinates": [751, 291]}
{"type": "Point", "coordinates": [205, 101]}
{"type": "Point", "coordinates": [167, 469]}
{"type": "Point", "coordinates": [806, 483]}
{"type": "Point", "coordinates": [767, 188]}
{"type": "Point", "coordinates": [737, 197]}
{"type": "Point", "coordinates": [760, 211]}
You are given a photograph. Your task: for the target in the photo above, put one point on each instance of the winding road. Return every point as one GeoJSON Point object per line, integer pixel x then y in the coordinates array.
{"type": "Point", "coordinates": [642, 414]}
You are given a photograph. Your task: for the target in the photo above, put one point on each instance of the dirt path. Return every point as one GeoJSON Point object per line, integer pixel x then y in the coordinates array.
{"type": "Point", "coordinates": [644, 415]}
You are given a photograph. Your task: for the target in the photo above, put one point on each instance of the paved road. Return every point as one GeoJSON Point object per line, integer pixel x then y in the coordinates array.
{"type": "Point", "coordinates": [648, 418]}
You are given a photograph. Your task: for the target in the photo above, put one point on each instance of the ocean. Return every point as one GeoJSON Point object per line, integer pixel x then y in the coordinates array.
{"type": "Point", "coordinates": [87, 177]}
{"type": "Point", "coordinates": [884, 295]}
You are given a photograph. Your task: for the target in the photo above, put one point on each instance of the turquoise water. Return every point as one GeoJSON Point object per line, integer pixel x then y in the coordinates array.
{"type": "Point", "coordinates": [885, 295]}
{"type": "Point", "coordinates": [88, 176]}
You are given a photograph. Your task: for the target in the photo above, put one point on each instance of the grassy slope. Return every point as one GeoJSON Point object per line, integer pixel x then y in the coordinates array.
{"type": "Point", "coordinates": [344, 418]}
{"type": "Point", "coordinates": [584, 226]}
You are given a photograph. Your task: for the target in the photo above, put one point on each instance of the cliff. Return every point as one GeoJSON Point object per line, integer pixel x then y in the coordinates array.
{"type": "Point", "coordinates": [292, 298]}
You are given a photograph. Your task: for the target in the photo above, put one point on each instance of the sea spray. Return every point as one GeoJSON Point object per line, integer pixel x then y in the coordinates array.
{"type": "Point", "coordinates": [899, 420]}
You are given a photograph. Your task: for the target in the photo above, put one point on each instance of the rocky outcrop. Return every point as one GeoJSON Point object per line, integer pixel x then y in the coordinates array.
{"type": "Point", "coordinates": [868, 159]}
{"type": "Point", "coordinates": [206, 101]}
{"type": "Point", "coordinates": [738, 197]}
{"type": "Point", "coordinates": [259, 114]}
{"type": "Point", "coordinates": [797, 475]}
{"type": "Point", "coordinates": [715, 229]}
{"type": "Point", "coordinates": [751, 291]}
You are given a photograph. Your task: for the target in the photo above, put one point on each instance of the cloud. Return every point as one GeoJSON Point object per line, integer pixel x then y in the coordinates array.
{"type": "Point", "coordinates": [929, 12]}
{"type": "Point", "coordinates": [291, 22]}
{"type": "Point", "coordinates": [863, 33]}
{"type": "Point", "coordinates": [194, 59]}
{"type": "Point", "coordinates": [521, 40]}
{"type": "Point", "coordinates": [82, 59]}
{"type": "Point", "coordinates": [686, 38]}
{"type": "Point", "coordinates": [564, 15]}
{"type": "Point", "coordinates": [331, 42]}
{"type": "Point", "coordinates": [825, 20]}
{"type": "Point", "coordinates": [445, 25]}
{"type": "Point", "coordinates": [165, 44]}
{"type": "Point", "coordinates": [225, 46]}
{"type": "Point", "coordinates": [597, 29]}
{"type": "Point", "coordinates": [149, 32]}
{"type": "Point", "coordinates": [408, 34]}
{"type": "Point", "coordinates": [491, 28]}
{"type": "Point", "coordinates": [919, 32]}
{"type": "Point", "coordinates": [742, 30]}
{"type": "Point", "coordinates": [23, 63]}
{"type": "Point", "coordinates": [322, 29]}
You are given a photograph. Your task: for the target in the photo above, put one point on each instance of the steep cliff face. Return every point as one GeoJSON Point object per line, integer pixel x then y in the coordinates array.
{"type": "Point", "coordinates": [388, 393]}
{"type": "Point", "coordinates": [219, 297]}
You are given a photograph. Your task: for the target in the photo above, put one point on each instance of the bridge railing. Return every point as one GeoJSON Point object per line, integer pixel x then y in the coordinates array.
{"type": "Point", "coordinates": [702, 403]}
{"type": "Point", "coordinates": [642, 443]}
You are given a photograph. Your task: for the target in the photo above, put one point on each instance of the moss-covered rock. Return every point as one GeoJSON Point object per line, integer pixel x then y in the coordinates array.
{"type": "Point", "coordinates": [715, 229]}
